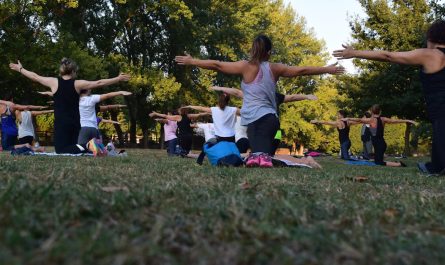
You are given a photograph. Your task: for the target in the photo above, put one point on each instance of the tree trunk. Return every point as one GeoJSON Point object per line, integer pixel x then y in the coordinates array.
{"type": "Point", "coordinates": [117, 127]}
{"type": "Point", "coordinates": [161, 138]}
{"type": "Point", "coordinates": [145, 137]}
{"type": "Point", "coordinates": [407, 150]}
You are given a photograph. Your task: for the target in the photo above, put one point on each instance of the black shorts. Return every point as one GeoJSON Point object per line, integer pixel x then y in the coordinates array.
{"type": "Point", "coordinates": [26, 140]}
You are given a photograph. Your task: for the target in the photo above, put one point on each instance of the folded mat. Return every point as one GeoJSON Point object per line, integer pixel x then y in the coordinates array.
{"type": "Point", "coordinates": [360, 163]}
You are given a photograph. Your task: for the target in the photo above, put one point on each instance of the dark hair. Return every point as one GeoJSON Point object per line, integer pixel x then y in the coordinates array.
{"type": "Point", "coordinates": [436, 32]}
{"type": "Point", "coordinates": [97, 108]}
{"type": "Point", "coordinates": [183, 111]}
{"type": "Point", "coordinates": [174, 112]}
{"type": "Point", "coordinates": [223, 100]}
{"type": "Point", "coordinates": [375, 109]}
{"type": "Point", "coordinates": [68, 67]}
{"type": "Point", "coordinates": [8, 97]}
{"type": "Point", "coordinates": [84, 92]}
{"type": "Point", "coordinates": [343, 113]}
{"type": "Point", "coordinates": [367, 114]}
{"type": "Point", "coordinates": [260, 50]}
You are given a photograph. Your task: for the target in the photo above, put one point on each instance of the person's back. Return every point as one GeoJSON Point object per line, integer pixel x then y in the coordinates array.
{"type": "Point", "coordinates": [343, 134]}
{"type": "Point", "coordinates": [434, 89]}
{"type": "Point", "coordinates": [87, 110]}
{"type": "Point", "coordinates": [184, 125]}
{"type": "Point", "coordinates": [170, 128]}
{"type": "Point", "coordinates": [8, 124]}
{"type": "Point", "coordinates": [26, 128]}
{"type": "Point", "coordinates": [224, 121]}
{"type": "Point", "coordinates": [66, 103]}
{"type": "Point", "coordinates": [259, 96]}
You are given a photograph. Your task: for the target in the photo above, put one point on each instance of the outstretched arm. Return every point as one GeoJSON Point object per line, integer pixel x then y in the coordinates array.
{"type": "Point", "coordinates": [228, 90]}
{"type": "Point", "coordinates": [46, 93]}
{"type": "Point", "coordinates": [415, 57]}
{"type": "Point", "coordinates": [298, 97]}
{"type": "Point", "coordinates": [164, 121]}
{"type": "Point", "coordinates": [26, 107]}
{"type": "Point", "coordinates": [330, 123]}
{"type": "Point", "coordinates": [109, 107]}
{"type": "Point", "coordinates": [197, 116]}
{"type": "Point", "coordinates": [165, 116]}
{"type": "Point", "coordinates": [50, 82]}
{"type": "Point", "coordinates": [358, 120]}
{"type": "Point", "coordinates": [395, 121]}
{"type": "Point", "coordinates": [110, 121]}
{"type": "Point", "coordinates": [84, 84]}
{"type": "Point", "coordinates": [234, 68]}
{"type": "Point", "coordinates": [199, 108]}
{"type": "Point", "coordinates": [35, 113]}
{"type": "Point", "coordinates": [114, 94]}
{"type": "Point", "coordinates": [282, 70]}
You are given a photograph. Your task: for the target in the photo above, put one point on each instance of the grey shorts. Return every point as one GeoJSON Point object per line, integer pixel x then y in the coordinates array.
{"type": "Point", "coordinates": [86, 134]}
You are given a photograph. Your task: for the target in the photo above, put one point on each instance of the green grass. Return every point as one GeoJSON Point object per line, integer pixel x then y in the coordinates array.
{"type": "Point", "coordinates": [148, 209]}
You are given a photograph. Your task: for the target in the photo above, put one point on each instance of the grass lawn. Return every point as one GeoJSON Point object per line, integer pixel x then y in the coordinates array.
{"type": "Point", "coordinates": [149, 209]}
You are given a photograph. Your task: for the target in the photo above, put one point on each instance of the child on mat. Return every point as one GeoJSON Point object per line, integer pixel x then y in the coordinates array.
{"type": "Point", "coordinates": [377, 127]}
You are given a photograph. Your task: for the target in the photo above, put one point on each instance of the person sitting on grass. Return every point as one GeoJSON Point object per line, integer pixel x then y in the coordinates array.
{"type": "Point", "coordinates": [65, 91]}
{"type": "Point", "coordinates": [26, 127]}
{"type": "Point", "coordinates": [170, 138]}
{"type": "Point", "coordinates": [243, 142]}
{"type": "Point", "coordinates": [343, 132]}
{"type": "Point", "coordinates": [377, 127]}
{"type": "Point", "coordinates": [8, 122]}
{"type": "Point", "coordinates": [185, 131]}
{"type": "Point", "coordinates": [88, 117]}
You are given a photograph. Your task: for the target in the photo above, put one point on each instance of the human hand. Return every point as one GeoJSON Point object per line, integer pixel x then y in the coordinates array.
{"type": "Point", "coordinates": [16, 66]}
{"type": "Point", "coordinates": [184, 59]}
{"type": "Point", "coordinates": [345, 53]}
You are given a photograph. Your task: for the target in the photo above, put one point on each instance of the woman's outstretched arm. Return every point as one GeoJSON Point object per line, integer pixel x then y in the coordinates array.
{"type": "Point", "coordinates": [395, 121]}
{"type": "Point", "coordinates": [35, 113]}
{"type": "Point", "coordinates": [114, 94]}
{"type": "Point", "coordinates": [358, 120]}
{"type": "Point", "coordinates": [282, 70]}
{"type": "Point", "coordinates": [198, 115]}
{"type": "Point", "coordinates": [109, 107]}
{"type": "Point", "coordinates": [46, 93]}
{"type": "Point", "coordinates": [234, 68]}
{"type": "Point", "coordinates": [50, 82]}
{"type": "Point", "coordinates": [84, 84]}
{"type": "Point", "coordinates": [199, 108]}
{"type": "Point", "coordinates": [110, 121]}
{"type": "Point", "coordinates": [425, 57]}
{"type": "Point", "coordinates": [298, 97]}
{"type": "Point", "coordinates": [230, 91]}
{"type": "Point", "coordinates": [330, 123]}
{"type": "Point", "coordinates": [165, 116]}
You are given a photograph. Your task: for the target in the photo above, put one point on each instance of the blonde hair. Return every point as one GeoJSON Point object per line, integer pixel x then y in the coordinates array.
{"type": "Point", "coordinates": [68, 67]}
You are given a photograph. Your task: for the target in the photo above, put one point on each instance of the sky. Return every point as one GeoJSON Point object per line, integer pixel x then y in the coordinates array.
{"type": "Point", "coordinates": [329, 20]}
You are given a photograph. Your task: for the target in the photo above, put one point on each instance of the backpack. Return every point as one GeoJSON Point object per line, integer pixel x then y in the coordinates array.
{"type": "Point", "coordinates": [223, 154]}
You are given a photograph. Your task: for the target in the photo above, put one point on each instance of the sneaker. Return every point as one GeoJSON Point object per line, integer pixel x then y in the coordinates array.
{"type": "Point", "coordinates": [265, 160]}
{"type": "Point", "coordinates": [253, 160]}
{"type": "Point", "coordinates": [96, 148]}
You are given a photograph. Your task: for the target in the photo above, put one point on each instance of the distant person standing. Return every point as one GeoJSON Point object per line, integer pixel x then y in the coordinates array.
{"type": "Point", "coordinates": [366, 138]}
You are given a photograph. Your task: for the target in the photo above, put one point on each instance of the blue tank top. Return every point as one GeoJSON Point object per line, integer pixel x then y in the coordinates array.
{"type": "Point", "coordinates": [434, 90]}
{"type": "Point", "coordinates": [259, 96]}
{"type": "Point", "coordinates": [9, 125]}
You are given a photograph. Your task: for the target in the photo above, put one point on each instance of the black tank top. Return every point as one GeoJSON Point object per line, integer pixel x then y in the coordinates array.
{"type": "Point", "coordinates": [434, 90]}
{"type": "Point", "coordinates": [343, 134]}
{"type": "Point", "coordinates": [184, 125]}
{"type": "Point", "coordinates": [378, 132]}
{"type": "Point", "coordinates": [66, 104]}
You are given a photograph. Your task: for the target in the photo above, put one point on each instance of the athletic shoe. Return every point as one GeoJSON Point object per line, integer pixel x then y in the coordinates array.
{"type": "Point", "coordinates": [253, 160]}
{"type": "Point", "coordinates": [265, 160]}
{"type": "Point", "coordinates": [96, 148]}
{"type": "Point", "coordinates": [422, 168]}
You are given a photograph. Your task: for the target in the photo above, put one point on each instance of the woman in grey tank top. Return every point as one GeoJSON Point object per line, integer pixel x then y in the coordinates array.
{"type": "Point", "coordinates": [259, 111]}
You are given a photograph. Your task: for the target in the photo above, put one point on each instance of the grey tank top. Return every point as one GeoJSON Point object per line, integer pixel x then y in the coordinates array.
{"type": "Point", "coordinates": [26, 127]}
{"type": "Point", "coordinates": [259, 96]}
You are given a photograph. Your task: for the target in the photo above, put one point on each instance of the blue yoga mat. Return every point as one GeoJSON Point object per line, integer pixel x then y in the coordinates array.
{"type": "Point", "coordinates": [360, 163]}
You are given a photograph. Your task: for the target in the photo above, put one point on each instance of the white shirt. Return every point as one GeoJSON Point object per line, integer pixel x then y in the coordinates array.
{"type": "Point", "coordinates": [240, 130]}
{"type": "Point", "coordinates": [208, 129]}
{"type": "Point", "coordinates": [87, 110]}
{"type": "Point", "coordinates": [25, 125]}
{"type": "Point", "coordinates": [224, 121]}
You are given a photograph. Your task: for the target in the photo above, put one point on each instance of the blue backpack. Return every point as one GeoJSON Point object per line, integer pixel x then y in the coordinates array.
{"type": "Point", "coordinates": [223, 154]}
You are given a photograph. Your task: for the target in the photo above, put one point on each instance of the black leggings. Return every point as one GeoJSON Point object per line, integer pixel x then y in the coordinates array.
{"type": "Point", "coordinates": [225, 139]}
{"type": "Point", "coordinates": [262, 132]}
{"type": "Point", "coordinates": [437, 164]}
{"type": "Point", "coordinates": [243, 145]}
{"type": "Point", "coordinates": [185, 142]}
{"type": "Point", "coordinates": [65, 139]}
{"type": "Point", "coordinates": [379, 151]}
